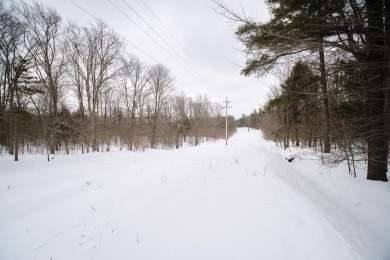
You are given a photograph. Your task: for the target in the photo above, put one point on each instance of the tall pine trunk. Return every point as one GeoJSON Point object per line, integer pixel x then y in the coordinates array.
{"type": "Point", "coordinates": [325, 99]}
{"type": "Point", "coordinates": [387, 75]}
{"type": "Point", "coordinates": [377, 143]}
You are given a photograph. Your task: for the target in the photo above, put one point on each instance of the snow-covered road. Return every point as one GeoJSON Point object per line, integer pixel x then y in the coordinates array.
{"type": "Point", "coordinates": [241, 201]}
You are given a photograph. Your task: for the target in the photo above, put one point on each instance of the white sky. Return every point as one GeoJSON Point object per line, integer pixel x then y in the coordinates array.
{"type": "Point", "coordinates": [212, 54]}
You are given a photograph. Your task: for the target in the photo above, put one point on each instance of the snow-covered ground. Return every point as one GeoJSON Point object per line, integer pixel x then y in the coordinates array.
{"type": "Point", "coordinates": [241, 201]}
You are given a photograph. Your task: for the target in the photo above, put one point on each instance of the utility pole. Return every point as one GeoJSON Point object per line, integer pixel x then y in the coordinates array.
{"type": "Point", "coordinates": [226, 107]}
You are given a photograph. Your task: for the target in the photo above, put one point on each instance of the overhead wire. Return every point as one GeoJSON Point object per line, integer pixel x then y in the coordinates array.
{"type": "Point", "coordinates": [170, 33]}
{"type": "Point", "coordinates": [135, 46]}
{"type": "Point", "coordinates": [168, 44]}
{"type": "Point", "coordinates": [128, 41]}
{"type": "Point", "coordinates": [139, 27]}
{"type": "Point", "coordinates": [156, 42]}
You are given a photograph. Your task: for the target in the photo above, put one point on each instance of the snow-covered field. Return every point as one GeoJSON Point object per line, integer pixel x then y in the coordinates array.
{"type": "Point", "coordinates": [241, 201]}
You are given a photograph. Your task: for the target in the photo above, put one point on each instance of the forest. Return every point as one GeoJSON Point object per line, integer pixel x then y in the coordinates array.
{"type": "Point", "coordinates": [67, 87]}
{"type": "Point", "coordinates": [332, 58]}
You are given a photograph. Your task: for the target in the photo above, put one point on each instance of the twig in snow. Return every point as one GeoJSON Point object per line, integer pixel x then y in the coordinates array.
{"type": "Point", "coordinates": [164, 179]}
{"type": "Point", "coordinates": [265, 169]}
{"type": "Point", "coordinates": [246, 171]}
{"type": "Point", "coordinates": [137, 237]}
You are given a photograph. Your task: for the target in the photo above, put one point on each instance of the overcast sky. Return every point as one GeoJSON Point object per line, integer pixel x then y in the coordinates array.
{"type": "Point", "coordinates": [193, 41]}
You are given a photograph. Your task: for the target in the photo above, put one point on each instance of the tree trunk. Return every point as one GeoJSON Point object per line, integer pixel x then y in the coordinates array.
{"type": "Point", "coordinates": [52, 140]}
{"type": "Point", "coordinates": [16, 139]}
{"type": "Point", "coordinates": [132, 134]}
{"type": "Point", "coordinates": [177, 138]}
{"type": "Point", "coordinates": [66, 145]}
{"type": "Point", "coordinates": [325, 99]}
{"type": "Point", "coordinates": [377, 143]}
{"type": "Point", "coordinates": [387, 74]}
{"type": "Point", "coordinates": [12, 131]}
{"type": "Point", "coordinates": [197, 132]}
{"type": "Point", "coordinates": [376, 138]}
{"type": "Point", "coordinates": [153, 139]}
{"type": "Point", "coordinates": [377, 160]}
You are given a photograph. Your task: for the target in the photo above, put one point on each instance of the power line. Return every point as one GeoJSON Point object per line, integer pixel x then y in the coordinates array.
{"type": "Point", "coordinates": [173, 37]}
{"type": "Point", "coordinates": [155, 41]}
{"type": "Point", "coordinates": [83, 10]}
{"type": "Point", "coordinates": [135, 46]}
{"type": "Point", "coordinates": [139, 28]}
{"type": "Point", "coordinates": [166, 28]}
{"type": "Point", "coordinates": [168, 44]}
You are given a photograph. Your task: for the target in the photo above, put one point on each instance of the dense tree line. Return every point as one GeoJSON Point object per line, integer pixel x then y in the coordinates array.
{"type": "Point", "coordinates": [251, 121]}
{"type": "Point", "coordinates": [337, 93]}
{"type": "Point", "coordinates": [66, 86]}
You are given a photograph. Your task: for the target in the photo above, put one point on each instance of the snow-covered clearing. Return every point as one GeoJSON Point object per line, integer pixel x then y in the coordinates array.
{"type": "Point", "coordinates": [241, 201]}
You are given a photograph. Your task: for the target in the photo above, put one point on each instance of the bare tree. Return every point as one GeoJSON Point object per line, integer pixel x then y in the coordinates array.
{"type": "Point", "coordinates": [182, 122]}
{"type": "Point", "coordinates": [15, 78]}
{"type": "Point", "coordinates": [200, 110]}
{"type": "Point", "coordinates": [44, 38]}
{"type": "Point", "coordinates": [11, 33]}
{"type": "Point", "coordinates": [76, 57]}
{"type": "Point", "coordinates": [110, 116]}
{"type": "Point", "coordinates": [95, 58]}
{"type": "Point", "coordinates": [134, 90]}
{"type": "Point", "coordinates": [161, 87]}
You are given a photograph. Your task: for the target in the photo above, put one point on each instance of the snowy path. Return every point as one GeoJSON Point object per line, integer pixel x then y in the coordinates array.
{"type": "Point", "coordinates": [241, 201]}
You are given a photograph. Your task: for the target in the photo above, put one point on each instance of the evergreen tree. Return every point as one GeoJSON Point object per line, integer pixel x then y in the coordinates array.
{"type": "Point", "coordinates": [355, 29]}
